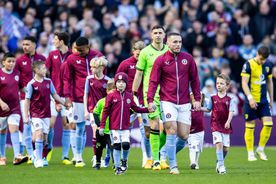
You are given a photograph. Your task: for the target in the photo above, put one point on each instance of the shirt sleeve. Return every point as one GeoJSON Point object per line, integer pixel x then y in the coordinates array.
{"type": "Point", "coordinates": [270, 68]}
{"type": "Point", "coordinates": [194, 79]}
{"type": "Point", "coordinates": [86, 87]}
{"type": "Point", "coordinates": [137, 109]}
{"type": "Point", "coordinates": [155, 76]}
{"type": "Point", "coordinates": [67, 78]}
{"type": "Point", "coordinates": [52, 88]}
{"type": "Point", "coordinates": [246, 70]}
{"type": "Point", "coordinates": [232, 105]}
{"type": "Point", "coordinates": [48, 62]}
{"type": "Point", "coordinates": [29, 91]}
{"type": "Point", "coordinates": [106, 110]}
{"type": "Point", "coordinates": [142, 62]}
{"type": "Point", "coordinates": [210, 104]}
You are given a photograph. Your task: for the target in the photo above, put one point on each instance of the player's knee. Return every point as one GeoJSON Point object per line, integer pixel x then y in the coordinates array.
{"type": "Point", "coordinates": [147, 134]}
{"type": "Point", "coordinates": [117, 146]}
{"type": "Point", "coordinates": [125, 145]}
{"type": "Point", "coordinates": [268, 123]}
{"type": "Point", "coordinates": [80, 129]}
{"type": "Point", "coordinates": [154, 124]}
{"type": "Point", "coordinates": [147, 131]}
{"type": "Point", "coordinates": [249, 125]}
{"type": "Point", "coordinates": [183, 136]}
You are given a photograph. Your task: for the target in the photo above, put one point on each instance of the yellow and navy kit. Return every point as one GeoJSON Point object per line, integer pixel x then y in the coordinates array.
{"type": "Point", "coordinates": [258, 75]}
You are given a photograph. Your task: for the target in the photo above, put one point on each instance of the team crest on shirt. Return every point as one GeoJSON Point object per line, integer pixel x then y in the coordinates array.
{"type": "Point", "coordinates": [24, 62]}
{"type": "Point", "coordinates": [104, 85]}
{"type": "Point", "coordinates": [128, 101]}
{"type": "Point", "coordinates": [167, 62]}
{"type": "Point", "coordinates": [132, 66]}
{"type": "Point", "coordinates": [246, 116]}
{"type": "Point", "coordinates": [267, 69]}
{"type": "Point", "coordinates": [36, 125]}
{"type": "Point", "coordinates": [115, 138]}
{"type": "Point", "coordinates": [55, 56]}
{"type": "Point", "coordinates": [151, 54]}
{"type": "Point", "coordinates": [16, 78]}
{"type": "Point", "coordinates": [115, 100]}
{"type": "Point", "coordinates": [2, 78]}
{"type": "Point", "coordinates": [48, 86]}
{"type": "Point", "coordinates": [184, 61]}
{"type": "Point", "coordinates": [227, 102]}
{"type": "Point", "coordinates": [36, 88]}
{"type": "Point", "coordinates": [78, 61]}
{"type": "Point", "coordinates": [168, 115]}
{"type": "Point", "coordinates": [76, 117]}
{"type": "Point", "coordinates": [91, 83]}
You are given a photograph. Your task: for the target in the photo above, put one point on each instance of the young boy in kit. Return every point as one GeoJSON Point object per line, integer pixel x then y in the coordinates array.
{"type": "Point", "coordinates": [196, 136]}
{"type": "Point", "coordinates": [222, 107]}
{"type": "Point", "coordinates": [10, 109]}
{"type": "Point", "coordinates": [102, 141]}
{"type": "Point", "coordinates": [117, 108]}
{"type": "Point", "coordinates": [95, 89]}
{"type": "Point", "coordinates": [37, 104]}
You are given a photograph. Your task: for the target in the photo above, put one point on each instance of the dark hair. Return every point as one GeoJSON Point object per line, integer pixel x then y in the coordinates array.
{"type": "Point", "coordinates": [224, 77]}
{"type": "Point", "coordinates": [82, 41]}
{"type": "Point", "coordinates": [37, 64]}
{"type": "Point", "coordinates": [8, 55]}
{"type": "Point", "coordinates": [264, 51]}
{"type": "Point", "coordinates": [158, 27]}
{"type": "Point", "coordinates": [65, 37]}
{"type": "Point", "coordinates": [31, 38]}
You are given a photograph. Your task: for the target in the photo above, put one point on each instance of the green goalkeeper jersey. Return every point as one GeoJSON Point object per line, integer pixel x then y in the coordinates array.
{"type": "Point", "coordinates": [145, 62]}
{"type": "Point", "coordinates": [99, 111]}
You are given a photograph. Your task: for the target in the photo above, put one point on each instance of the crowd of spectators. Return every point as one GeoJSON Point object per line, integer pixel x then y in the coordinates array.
{"type": "Point", "coordinates": [220, 34]}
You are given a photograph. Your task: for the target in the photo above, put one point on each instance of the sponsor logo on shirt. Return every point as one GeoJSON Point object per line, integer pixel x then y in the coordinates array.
{"type": "Point", "coordinates": [78, 61]}
{"type": "Point", "coordinates": [2, 78]}
{"type": "Point", "coordinates": [55, 56]}
{"type": "Point", "coordinates": [184, 61]}
{"type": "Point", "coordinates": [24, 62]}
{"type": "Point", "coordinates": [16, 78]}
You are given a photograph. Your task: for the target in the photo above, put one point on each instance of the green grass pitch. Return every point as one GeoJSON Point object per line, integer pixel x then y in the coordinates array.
{"type": "Point", "coordinates": [239, 170]}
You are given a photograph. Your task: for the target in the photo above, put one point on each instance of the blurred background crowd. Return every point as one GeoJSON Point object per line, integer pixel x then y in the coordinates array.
{"type": "Point", "coordinates": [220, 34]}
